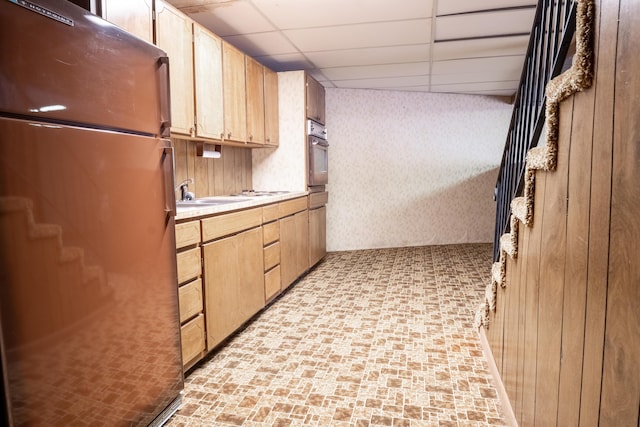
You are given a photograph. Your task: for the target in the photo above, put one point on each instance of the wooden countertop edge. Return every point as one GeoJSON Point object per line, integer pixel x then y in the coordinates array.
{"type": "Point", "coordinates": [186, 213]}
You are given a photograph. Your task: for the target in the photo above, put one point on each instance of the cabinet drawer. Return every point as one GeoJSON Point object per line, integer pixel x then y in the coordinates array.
{"type": "Point", "coordinates": [270, 213]}
{"type": "Point", "coordinates": [188, 264]}
{"type": "Point", "coordinates": [223, 225]}
{"type": "Point", "coordinates": [190, 297]}
{"type": "Point", "coordinates": [318, 199]}
{"type": "Point", "coordinates": [271, 256]}
{"type": "Point", "coordinates": [289, 207]}
{"type": "Point", "coordinates": [187, 233]}
{"type": "Point", "coordinates": [271, 283]}
{"type": "Point", "coordinates": [270, 232]}
{"type": "Point", "coordinates": [193, 343]}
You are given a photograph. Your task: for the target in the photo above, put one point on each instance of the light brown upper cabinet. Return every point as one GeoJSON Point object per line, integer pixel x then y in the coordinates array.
{"type": "Point", "coordinates": [207, 56]}
{"type": "Point", "coordinates": [134, 16]}
{"type": "Point", "coordinates": [271, 117]}
{"type": "Point", "coordinates": [235, 107]}
{"type": "Point", "coordinates": [255, 101]}
{"type": "Point", "coordinates": [174, 36]}
{"type": "Point", "coordinates": [315, 99]}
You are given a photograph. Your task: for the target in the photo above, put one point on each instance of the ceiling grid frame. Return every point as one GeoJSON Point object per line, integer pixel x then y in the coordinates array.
{"type": "Point", "coordinates": [376, 44]}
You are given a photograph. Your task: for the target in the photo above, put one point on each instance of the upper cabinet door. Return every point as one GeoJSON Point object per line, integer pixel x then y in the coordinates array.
{"type": "Point", "coordinates": [134, 16]}
{"type": "Point", "coordinates": [315, 100]}
{"type": "Point", "coordinates": [255, 101]}
{"type": "Point", "coordinates": [174, 36]}
{"type": "Point", "coordinates": [235, 107]}
{"type": "Point", "coordinates": [207, 55]}
{"type": "Point", "coordinates": [271, 115]}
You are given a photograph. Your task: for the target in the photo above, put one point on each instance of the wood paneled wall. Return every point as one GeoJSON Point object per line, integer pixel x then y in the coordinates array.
{"type": "Point", "coordinates": [565, 335]}
{"type": "Point", "coordinates": [231, 173]}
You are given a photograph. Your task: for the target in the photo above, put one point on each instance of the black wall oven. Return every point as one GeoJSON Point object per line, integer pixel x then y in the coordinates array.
{"type": "Point", "coordinates": [318, 149]}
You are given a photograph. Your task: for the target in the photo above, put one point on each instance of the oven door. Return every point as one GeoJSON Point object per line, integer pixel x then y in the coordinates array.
{"type": "Point", "coordinates": [318, 161]}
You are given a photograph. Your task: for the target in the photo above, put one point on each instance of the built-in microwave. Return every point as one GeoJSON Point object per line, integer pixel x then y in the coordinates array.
{"type": "Point", "coordinates": [318, 149]}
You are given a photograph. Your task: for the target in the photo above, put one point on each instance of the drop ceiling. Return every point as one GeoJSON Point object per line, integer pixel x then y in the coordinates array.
{"type": "Point", "coordinates": [454, 46]}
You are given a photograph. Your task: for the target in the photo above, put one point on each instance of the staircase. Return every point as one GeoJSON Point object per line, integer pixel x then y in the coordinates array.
{"type": "Point", "coordinates": [51, 287]}
{"type": "Point", "coordinates": [543, 158]}
{"type": "Point", "coordinates": [560, 320]}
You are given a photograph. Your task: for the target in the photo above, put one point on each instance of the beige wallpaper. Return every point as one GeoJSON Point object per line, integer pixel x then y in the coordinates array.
{"type": "Point", "coordinates": [285, 168]}
{"type": "Point", "coordinates": [409, 169]}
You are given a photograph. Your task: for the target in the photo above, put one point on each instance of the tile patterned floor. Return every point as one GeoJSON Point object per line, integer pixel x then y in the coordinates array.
{"type": "Point", "coordinates": [368, 338]}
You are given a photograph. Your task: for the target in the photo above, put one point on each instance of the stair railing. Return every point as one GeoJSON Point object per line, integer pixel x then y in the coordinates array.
{"type": "Point", "coordinates": [551, 38]}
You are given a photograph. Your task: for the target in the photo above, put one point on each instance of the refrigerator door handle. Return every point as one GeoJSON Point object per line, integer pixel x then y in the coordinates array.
{"type": "Point", "coordinates": [165, 97]}
{"type": "Point", "coordinates": [170, 196]}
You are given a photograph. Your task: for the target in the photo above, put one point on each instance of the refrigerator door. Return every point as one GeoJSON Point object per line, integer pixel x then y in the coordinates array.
{"type": "Point", "coordinates": [88, 295]}
{"type": "Point", "coordinates": [63, 64]}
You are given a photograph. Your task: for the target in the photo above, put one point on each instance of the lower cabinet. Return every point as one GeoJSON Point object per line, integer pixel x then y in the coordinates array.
{"type": "Point", "coordinates": [317, 235]}
{"type": "Point", "coordinates": [234, 283]}
{"type": "Point", "coordinates": [190, 298]}
{"type": "Point", "coordinates": [192, 335]}
{"type": "Point", "coordinates": [231, 264]}
{"type": "Point", "coordinates": [294, 244]}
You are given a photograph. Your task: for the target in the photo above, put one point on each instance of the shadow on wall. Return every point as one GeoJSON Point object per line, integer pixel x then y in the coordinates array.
{"type": "Point", "coordinates": [463, 212]}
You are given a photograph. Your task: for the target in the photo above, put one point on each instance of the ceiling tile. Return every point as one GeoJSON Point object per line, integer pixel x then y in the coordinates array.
{"type": "Point", "coordinates": [370, 56]}
{"type": "Point", "coordinates": [479, 65]}
{"type": "Point", "coordinates": [484, 24]}
{"type": "Point", "coordinates": [468, 87]}
{"type": "Point", "coordinates": [262, 44]}
{"type": "Point", "coordinates": [377, 71]}
{"type": "Point", "coordinates": [474, 77]}
{"type": "Point", "coordinates": [424, 88]}
{"type": "Point", "coordinates": [393, 82]}
{"type": "Point", "coordinates": [229, 18]}
{"type": "Point", "coordinates": [496, 46]}
{"type": "Point", "coordinates": [447, 7]}
{"type": "Point", "coordinates": [289, 14]}
{"type": "Point", "coordinates": [362, 35]}
{"type": "Point", "coordinates": [285, 62]}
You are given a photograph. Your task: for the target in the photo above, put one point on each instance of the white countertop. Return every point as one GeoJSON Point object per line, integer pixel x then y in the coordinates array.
{"type": "Point", "coordinates": [232, 203]}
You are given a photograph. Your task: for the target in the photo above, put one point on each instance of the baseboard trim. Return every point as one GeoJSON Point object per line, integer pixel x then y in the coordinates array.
{"type": "Point", "coordinates": [509, 416]}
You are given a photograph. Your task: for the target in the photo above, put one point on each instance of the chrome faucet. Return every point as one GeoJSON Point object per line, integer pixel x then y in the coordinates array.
{"type": "Point", "coordinates": [184, 194]}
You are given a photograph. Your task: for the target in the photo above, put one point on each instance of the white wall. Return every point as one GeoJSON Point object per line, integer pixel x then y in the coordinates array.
{"type": "Point", "coordinates": [409, 168]}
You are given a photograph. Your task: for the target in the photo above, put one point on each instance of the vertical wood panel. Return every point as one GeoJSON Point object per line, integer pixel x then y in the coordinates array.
{"type": "Point", "coordinates": [605, 37]}
{"type": "Point", "coordinates": [180, 161]}
{"type": "Point", "coordinates": [577, 253]}
{"type": "Point", "coordinates": [499, 329]}
{"type": "Point", "coordinates": [239, 174]}
{"type": "Point", "coordinates": [511, 330]}
{"type": "Point", "coordinates": [228, 161]}
{"type": "Point", "coordinates": [621, 369]}
{"type": "Point", "coordinates": [218, 176]}
{"type": "Point", "coordinates": [523, 244]}
{"type": "Point", "coordinates": [532, 285]}
{"type": "Point", "coordinates": [248, 169]}
{"type": "Point", "coordinates": [552, 261]}
{"type": "Point", "coordinates": [201, 176]}
{"type": "Point", "coordinates": [191, 166]}
{"type": "Point", "coordinates": [212, 177]}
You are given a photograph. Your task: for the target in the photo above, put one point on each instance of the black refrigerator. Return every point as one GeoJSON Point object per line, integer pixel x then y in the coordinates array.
{"type": "Point", "coordinates": [89, 316]}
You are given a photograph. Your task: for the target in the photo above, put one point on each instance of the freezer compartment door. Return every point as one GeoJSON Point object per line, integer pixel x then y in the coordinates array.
{"type": "Point", "coordinates": [88, 293]}
{"type": "Point", "coordinates": [79, 69]}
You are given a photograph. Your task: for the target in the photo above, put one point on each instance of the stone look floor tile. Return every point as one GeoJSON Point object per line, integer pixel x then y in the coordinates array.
{"type": "Point", "coordinates": [368, 338]}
